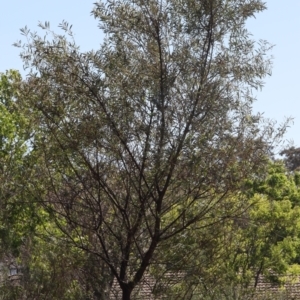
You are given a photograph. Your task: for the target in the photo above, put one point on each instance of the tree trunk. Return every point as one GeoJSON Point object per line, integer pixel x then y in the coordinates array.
{"type": "Point", "coordinates": [126, 292]}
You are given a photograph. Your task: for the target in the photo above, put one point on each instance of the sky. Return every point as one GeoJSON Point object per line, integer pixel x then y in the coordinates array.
{"type": "Point", "coordinates": [279, 24]}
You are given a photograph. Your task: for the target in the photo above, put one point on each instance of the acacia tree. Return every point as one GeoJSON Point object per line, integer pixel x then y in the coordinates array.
{"type": "Point", "coordinates": [158, 119]}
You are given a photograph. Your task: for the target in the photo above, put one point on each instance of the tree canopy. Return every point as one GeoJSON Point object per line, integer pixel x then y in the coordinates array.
{"type": "Point", "coordinates": [145, 154]}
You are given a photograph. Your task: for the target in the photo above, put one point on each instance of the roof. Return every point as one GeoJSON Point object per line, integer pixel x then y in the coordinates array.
{"type": "Point", "coordinates": [149, 289]}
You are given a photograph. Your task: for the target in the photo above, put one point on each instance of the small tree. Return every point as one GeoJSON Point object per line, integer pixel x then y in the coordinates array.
{"type": "Point", "coordinates": [158, 118]}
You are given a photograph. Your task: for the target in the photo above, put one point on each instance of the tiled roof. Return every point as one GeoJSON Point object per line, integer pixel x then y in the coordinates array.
{"type": "Point", "coordinates": [289, 291]}
{"type": "Point", "coordinates": [149, 287]}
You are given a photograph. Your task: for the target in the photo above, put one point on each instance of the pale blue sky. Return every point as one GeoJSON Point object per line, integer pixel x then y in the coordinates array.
{"type": "Point", "coordinates": [280, 25]}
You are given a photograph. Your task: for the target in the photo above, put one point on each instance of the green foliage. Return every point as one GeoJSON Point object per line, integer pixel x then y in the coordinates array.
{"type": "Point", "coordinates": [277, 185]}
{"type": "Point", "coordinates": [260, 239]}
{"type": "Point", "coordinates": [13, 159]}
{"type": "Point", "coordinates": [27, 236]}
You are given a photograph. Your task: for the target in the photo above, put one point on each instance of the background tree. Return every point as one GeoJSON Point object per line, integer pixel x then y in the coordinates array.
{"type": "Point", "coordinates": [48, 267]}
{"type": "Point", "coordinates": [230, 259]}
{"type": "Point", "coordinates": [14, 135]}
{"type": "Point", "coordinates": [158, 118]}
{"type": "Point", "coordinates": [291, 158]}
{"type": "Point", "coordinates": [14, 160]}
